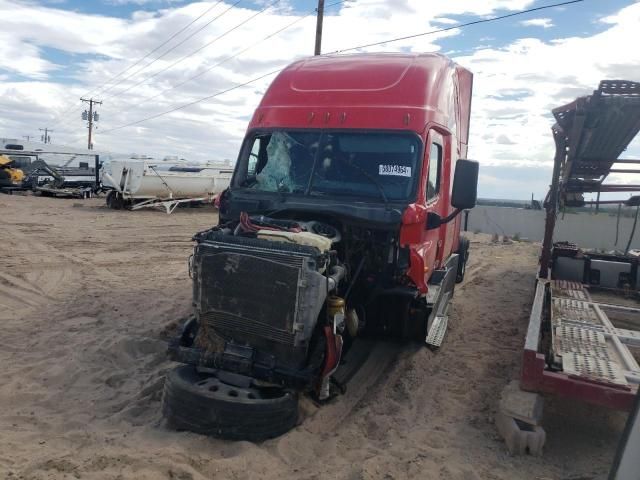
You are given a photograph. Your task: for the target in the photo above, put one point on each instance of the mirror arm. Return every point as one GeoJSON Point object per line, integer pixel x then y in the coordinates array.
{"type": "Point", "coordinates": [450, 217]}
{"type": "Point", "coordinates": [434, 220]}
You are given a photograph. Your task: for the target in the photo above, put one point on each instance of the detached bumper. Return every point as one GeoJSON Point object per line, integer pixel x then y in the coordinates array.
{"type": "Point", "coordinates": [236, 359]}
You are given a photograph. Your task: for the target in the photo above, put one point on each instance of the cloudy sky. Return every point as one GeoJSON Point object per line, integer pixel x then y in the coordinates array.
{"type": "Point", "coordinates": [138, 57]}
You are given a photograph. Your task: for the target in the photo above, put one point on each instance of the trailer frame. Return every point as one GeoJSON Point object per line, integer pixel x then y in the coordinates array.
{"type": "Point", "coordinates": [169, 204]}
{"type": "Point", "coordinates": [590, 133]}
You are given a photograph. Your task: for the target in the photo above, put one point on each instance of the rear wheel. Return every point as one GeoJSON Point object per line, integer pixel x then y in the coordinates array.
{"type": "Point", "coordinates": [233, 409]}
{"type": "Point", "coordinates": [463, 252]}
{"type": "Point", "coordinates": [115, 200]}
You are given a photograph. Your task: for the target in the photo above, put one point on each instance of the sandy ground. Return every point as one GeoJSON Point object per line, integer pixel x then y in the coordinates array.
{"type": "Point", "coordinates": [87, 297]}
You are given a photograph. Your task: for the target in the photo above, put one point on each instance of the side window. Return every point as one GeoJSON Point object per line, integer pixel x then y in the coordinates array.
{"type": "Point", "coordinates": [435, 169]}
{"type": "Point", "coordinates": [21, 162]}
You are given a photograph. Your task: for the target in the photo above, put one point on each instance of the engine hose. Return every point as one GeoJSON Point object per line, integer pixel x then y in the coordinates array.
{"type": "Point", "coordinates": [337, 273]}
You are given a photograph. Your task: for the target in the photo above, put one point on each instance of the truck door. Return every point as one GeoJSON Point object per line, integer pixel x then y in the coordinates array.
{"type": "Point", "coordinates": [435, 197]}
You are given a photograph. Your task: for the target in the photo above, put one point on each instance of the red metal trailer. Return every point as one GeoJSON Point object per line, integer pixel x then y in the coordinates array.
{"type": "Point", "coordinates": [585, 320]}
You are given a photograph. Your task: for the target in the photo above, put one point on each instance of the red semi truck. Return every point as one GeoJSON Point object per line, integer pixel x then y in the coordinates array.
{"type": "Point", "coordinates": [341, 220]}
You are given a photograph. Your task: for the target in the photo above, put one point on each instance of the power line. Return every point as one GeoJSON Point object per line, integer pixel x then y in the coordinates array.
{"type": "Point", "coordinates": [174, 35]}
{"type": "Point", "coordinates": [64, 125]}
{"type": "Point", "coordinates": [181, 107]}
{"type": "Point", "coordinates": [238, 53]}
{"type": "Point", "coordinates": [291, 24]}
{"type": "Point", "coordinates": [462, 25]}
{"type": "Point", "coordinates": [142, 82]}
{"type": "Point", "coordinates": [77, 140]}
{"type": "Point", "coordinates": [63, 114]}
{"type": "Point", "coordinates": [334, 4]}
{"type": "Point", "coordinates": [172, 48]}
{"type": "Point", "coordinates": [163, 43]}
{"type": "Point", "coordinates": [248, 82]}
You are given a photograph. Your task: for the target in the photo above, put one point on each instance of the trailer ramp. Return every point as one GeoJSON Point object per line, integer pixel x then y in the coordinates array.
{"type": "Point", "coordinates": [585, 343]}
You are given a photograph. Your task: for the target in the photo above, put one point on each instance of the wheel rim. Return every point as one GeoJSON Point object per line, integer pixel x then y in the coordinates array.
{"type": "Point", "coordinates": [223, 390]}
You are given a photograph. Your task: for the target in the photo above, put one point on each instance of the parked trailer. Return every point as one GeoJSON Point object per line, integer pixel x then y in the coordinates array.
{"type": "Point", "coordinates": [586, 312]}
{"type": "Point", "coordinates": [55, 180]}
{"type": "Point", "coordinates": [144, 183]}
{"type": "Point", "coordinates": [63, 192]}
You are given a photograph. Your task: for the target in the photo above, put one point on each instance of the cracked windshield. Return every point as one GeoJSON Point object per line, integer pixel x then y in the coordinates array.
{"type": "Point", "coordinates": [371, 165]}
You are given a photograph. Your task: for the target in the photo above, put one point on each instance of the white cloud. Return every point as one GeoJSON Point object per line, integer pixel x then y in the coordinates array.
{"type": "Point", "coordinates": [116, 42]}
{"type": "Point", "coordinates": [445, 20]}
{"type": "Point", "coordinates": [141, 2]}
{"type": "Point", "coordinates": [26, 28]}
{"type": "Point", "coordinates": [537, 22]}
{"type": "Point", "coordinates": [547, 75]}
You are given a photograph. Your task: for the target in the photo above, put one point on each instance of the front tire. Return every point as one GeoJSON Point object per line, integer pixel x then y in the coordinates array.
{"type": "Point", "coordinates": [202, 403]}
{"type": "Point", "coordinates": [114, 200]}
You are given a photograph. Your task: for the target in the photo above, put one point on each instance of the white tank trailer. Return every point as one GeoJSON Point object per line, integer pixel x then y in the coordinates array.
{"type": "Point", "coordinates": [140, 183]}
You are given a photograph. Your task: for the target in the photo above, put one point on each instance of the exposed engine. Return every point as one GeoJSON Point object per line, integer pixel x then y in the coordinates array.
{"type": "Point", "coordinates": [287, 294]}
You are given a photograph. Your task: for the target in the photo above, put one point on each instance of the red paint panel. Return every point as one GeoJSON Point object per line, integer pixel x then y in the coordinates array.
{"type": "Point", "coordinates": [364, 91]}
{"type": "Point", "coordinates": [535, 378]}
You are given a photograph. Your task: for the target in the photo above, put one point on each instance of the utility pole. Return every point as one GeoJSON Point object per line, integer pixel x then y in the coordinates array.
{"type": "Point", "coordinates": [46, 138]}
{"type": "Point", "coordinates": [27, 137]}
{"type": "Point", "coordinates": [320, 10]}
{"type": "Point", "coordinates": [92, 117]}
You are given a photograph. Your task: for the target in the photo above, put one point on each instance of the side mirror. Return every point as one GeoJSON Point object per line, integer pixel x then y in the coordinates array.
{"type": "Point", "coordinates": [465, 184]}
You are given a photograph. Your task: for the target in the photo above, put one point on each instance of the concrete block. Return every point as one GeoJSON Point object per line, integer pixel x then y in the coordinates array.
{"type": "Point", "coordinates": [520, 437]}
{"type": "Point", "coordinates": [524, 406]}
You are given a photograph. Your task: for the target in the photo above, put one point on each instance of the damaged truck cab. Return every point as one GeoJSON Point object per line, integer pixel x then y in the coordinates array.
{"type": "Point", "coordinates": [341, 220]}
